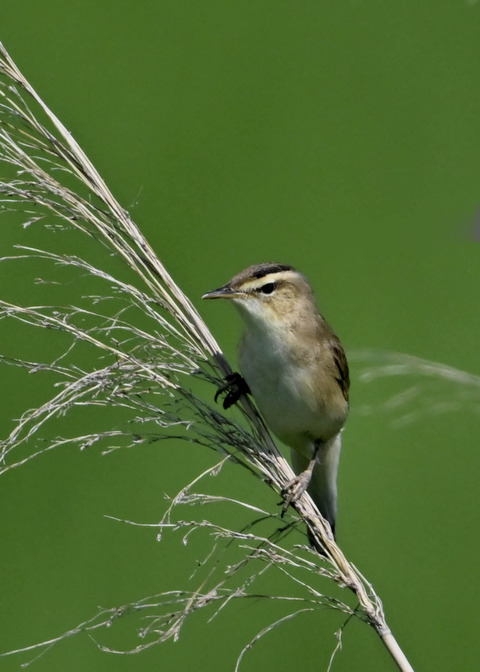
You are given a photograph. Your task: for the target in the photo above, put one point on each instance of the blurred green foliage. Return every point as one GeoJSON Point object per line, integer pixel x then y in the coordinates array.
{"type": "Point", "coordinates": [342, 138]}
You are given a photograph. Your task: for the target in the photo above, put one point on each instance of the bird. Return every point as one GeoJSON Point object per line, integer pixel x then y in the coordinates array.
{"type": "Point", "coordinates": [295, 367]}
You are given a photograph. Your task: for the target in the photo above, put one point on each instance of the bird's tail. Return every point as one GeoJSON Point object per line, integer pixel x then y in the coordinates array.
{"type": "Point", "coordinates": [323, 484]}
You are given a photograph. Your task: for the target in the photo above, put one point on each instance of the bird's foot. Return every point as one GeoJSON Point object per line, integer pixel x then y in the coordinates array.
{"type": "Point", "coordinates": [294, 489]}
{"type": "Point", "coordinates": [235, 385]}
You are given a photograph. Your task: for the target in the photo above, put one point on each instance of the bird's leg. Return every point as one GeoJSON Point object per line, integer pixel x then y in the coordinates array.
{"type": "Point", "coordinates": [297, 486]}
{"type": "Point", "coordinates": [235, 385]}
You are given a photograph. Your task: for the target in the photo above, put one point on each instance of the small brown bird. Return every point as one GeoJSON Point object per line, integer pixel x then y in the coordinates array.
{"type": "Point", "coordinates": [297, 371]}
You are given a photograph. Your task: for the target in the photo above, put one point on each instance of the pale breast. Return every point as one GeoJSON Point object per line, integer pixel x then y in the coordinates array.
{"type": "Point", "coordinates": [300, 401]}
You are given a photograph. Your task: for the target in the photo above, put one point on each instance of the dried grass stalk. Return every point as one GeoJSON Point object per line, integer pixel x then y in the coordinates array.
{"type": "Point", "coordinates": [40, 158]}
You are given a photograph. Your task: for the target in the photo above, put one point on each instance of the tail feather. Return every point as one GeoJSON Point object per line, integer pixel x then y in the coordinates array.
{"type": "Point", "coordinates": [323, 485]}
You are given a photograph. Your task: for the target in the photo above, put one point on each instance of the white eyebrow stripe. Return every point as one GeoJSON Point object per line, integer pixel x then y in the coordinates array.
{"type": "Point", "coordinates": [256, 283]}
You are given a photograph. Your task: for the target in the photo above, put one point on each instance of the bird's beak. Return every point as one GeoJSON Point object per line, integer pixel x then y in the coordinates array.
{"type": "Point", "coordinates": [225, 292]}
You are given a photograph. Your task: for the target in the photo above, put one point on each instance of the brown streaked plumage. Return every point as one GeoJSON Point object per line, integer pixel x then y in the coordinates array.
{"type": "Point", "coordinates": [297, 371]}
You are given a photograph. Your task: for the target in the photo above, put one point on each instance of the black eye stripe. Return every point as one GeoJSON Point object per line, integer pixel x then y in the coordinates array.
{"type": "Point", "coordinates": [267, 288]}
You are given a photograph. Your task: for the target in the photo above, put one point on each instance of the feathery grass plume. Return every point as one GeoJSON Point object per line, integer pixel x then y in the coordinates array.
{"type": "Point", "coordinates": [148, 345]}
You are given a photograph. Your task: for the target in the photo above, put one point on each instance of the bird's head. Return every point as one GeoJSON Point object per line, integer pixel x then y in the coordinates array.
{"type": "Point", "coordinates": [267, 294]}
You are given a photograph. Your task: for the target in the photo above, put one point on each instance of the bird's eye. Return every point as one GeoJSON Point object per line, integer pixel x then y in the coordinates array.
{"type": "Point", "coordinates": [267, 288]}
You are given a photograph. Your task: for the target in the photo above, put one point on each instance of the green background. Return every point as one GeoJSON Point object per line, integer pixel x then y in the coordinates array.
{"type": "Point", "coordinates": [342, 138]}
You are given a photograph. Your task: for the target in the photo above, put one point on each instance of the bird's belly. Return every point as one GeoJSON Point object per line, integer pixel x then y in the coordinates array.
{"type": "Point", "coordinates": [296, 413]}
